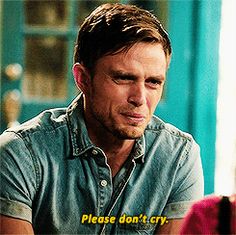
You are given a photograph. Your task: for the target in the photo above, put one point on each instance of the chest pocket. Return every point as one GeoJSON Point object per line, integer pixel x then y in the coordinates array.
{"type": "Point", "coordinates": [138, 228]}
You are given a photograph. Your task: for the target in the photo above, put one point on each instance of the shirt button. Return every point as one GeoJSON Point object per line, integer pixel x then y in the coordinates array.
{"type": "Point", "coordinates": [94, 152]}
{"type": "Point", "coordinates": [103, 183]}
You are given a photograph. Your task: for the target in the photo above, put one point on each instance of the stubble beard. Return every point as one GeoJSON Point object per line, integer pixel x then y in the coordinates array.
{"type": "Point", "coordinates": [118, 131]}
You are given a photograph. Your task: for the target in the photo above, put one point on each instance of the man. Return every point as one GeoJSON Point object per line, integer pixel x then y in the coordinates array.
{"type": "Point", "coordinates": [104, 165]}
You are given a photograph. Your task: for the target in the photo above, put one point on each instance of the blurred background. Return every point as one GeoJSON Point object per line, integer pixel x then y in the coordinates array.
{"type": "Point", "coordinates": [36, 43]}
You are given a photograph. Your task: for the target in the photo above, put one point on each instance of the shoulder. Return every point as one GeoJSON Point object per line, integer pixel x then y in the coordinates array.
{"type": "Point", "coordinates": [34, 143]}
{"type": "Point", "coordinates": [36, 135]}
{"type": "Point", "coordinates": [202, 217]}
{"type": "Point", "coordinates": [158, 127]}
{"type": "Point", "coordinates": [169, 142]}
{"type": "Point", "coordinates": [207, 202]}
{"type": "Point", "coordinates": [46, 121]}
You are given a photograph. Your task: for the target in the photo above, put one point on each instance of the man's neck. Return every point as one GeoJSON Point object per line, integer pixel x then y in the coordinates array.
{"type": "Point", "coordinates": [117, 150]}
{"type": "Point", "coordinates": [117, 154]}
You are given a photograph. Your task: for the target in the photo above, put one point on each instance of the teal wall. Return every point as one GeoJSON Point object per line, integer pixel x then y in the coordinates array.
{"type": "Point", "coordinates": [204, 87]}
{"type": "Point", "coordinates": [190, 98]}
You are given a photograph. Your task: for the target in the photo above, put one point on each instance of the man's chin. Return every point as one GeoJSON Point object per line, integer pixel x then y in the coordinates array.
{"type": "Point", "coordinates": [129, 133]}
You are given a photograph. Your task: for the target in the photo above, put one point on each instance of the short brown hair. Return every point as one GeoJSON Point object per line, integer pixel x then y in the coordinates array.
{"type": "Point", "coordinates": [112, 28]}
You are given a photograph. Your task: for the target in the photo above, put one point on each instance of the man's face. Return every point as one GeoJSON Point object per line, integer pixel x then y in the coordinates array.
{"type": "Point", "coordinates": [125, 90]}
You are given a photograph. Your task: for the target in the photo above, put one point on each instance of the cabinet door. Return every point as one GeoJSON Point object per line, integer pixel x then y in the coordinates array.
{"type": "Point", "coordinates": [37, 49]}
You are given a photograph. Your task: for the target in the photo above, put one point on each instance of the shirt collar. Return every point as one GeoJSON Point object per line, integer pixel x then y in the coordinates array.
{"type": "Point", "coordinates": [80, 140]}
{"type": "Point", "coordinates": [78, 131]}
{"type": "Point", "coordinates": [139, 149]}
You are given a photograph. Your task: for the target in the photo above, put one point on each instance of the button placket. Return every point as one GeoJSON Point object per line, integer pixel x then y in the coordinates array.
{"type": "Point", "coordinates": [104, 180]}
{"type": "Point", "coordinates": [118, 192]}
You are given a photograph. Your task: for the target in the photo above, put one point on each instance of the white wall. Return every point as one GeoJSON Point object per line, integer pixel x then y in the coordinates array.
{"type": "Point", "coordinates": [225, 177]}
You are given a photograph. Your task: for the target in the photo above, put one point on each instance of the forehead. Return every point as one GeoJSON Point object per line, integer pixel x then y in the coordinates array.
{"type": "Point", "coordinates": [145, 55]}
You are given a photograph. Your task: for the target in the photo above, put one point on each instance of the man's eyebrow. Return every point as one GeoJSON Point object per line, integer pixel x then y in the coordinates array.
{"type": "Point", "coordinates": [120, 73]}
{"type": "Point", "coordinates": [123, 74]}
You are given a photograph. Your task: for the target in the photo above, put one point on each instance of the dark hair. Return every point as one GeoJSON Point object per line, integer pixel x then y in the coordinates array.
{"type": "Point", "coordinates": [224, 216]}
{"type": "Point", "coordinates": [112, 28]}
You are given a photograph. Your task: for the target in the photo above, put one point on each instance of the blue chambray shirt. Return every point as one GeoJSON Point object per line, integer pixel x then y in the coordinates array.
{"type": "Point", "coordinates": [52, 175]}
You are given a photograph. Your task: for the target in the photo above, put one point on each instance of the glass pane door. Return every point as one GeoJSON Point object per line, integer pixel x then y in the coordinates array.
{"type": "Point", "coordinates": [45, 74]}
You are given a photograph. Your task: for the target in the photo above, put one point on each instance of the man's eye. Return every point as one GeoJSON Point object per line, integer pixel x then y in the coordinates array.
{"type": "Point", "coordinates": [154, 82]}
{"type": "Point", "coordinates": [129, 78]}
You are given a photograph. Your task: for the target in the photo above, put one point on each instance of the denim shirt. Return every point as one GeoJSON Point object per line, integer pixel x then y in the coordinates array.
{"type": "Point", "coordinates": [53, 176]}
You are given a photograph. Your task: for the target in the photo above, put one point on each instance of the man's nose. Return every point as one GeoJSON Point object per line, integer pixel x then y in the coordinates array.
{"type": "Point", "coordinates": [137, 94]}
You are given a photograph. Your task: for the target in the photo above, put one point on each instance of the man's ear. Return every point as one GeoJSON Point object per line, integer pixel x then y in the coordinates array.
{"type": "Point", "coordinates": [81, 76]}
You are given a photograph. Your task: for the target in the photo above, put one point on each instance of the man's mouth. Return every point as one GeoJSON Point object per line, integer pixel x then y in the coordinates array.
{"type": "Point", "coordinates": [135, 118]}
